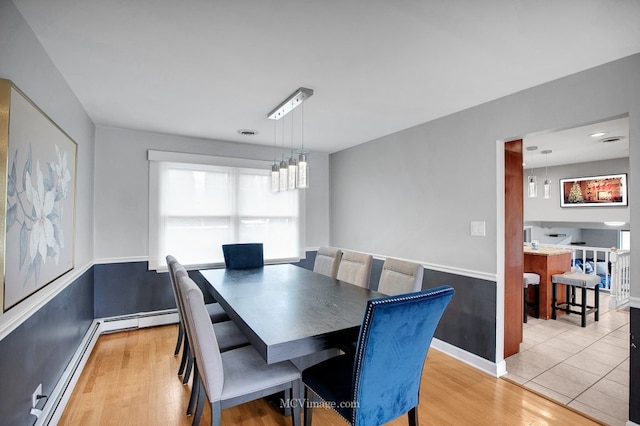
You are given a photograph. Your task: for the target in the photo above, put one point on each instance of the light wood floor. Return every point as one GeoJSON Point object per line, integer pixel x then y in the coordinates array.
{"type": "Point", "coordinates": [131, 379]}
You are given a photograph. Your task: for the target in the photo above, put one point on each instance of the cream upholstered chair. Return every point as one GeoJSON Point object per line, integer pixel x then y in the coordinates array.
{"type": "Point", "coordinates": [399, 277]}
{"type": "Point", "coordinates": [327, 261]}
{"type": "Point", "coordinates": [233, 377]}
{"type": "Point", "coordinates": [355, 268]}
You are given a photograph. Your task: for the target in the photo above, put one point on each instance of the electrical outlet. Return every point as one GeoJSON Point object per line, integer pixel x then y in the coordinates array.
{"type": "Point", "coordinates": [36, 394]}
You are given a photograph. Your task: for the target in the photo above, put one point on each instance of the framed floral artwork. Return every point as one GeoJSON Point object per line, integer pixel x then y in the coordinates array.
{"type": "Point", "coordinates": [598, 191]}
{"type": "Point", "coordinates": [39, 192]}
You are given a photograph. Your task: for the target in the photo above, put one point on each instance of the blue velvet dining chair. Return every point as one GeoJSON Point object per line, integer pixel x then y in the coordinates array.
{"type": "Point", "coordinates": [243, 255]}
{"type": "Point", "coordinates": [381, 381]}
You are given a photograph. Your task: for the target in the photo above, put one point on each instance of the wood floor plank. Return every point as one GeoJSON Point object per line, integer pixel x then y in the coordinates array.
{"type": "Point", "coordinates": [131, 379]}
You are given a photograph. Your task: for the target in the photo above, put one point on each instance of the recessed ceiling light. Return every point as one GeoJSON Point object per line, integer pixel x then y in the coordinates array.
{"type": "Point", "coordinates": [597, 134]}
{"type": "Point", "coordinates": [247, 132]}
{"type": "Point", "coordinates": [614, 223]}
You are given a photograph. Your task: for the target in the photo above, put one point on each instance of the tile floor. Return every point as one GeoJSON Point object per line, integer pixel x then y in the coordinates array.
{"type": "Point", "coordinates": [584, 368]}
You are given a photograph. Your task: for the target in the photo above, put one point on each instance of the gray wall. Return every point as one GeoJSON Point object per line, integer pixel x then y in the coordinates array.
{"type": "Point", "coordinates": [413, 194]}
{"type": "Point", "coordinates": [539, 209]}
{"type": "Point", "coordinates": [122, 187]}
{"type": "Point", "coordinates": [37, 346]}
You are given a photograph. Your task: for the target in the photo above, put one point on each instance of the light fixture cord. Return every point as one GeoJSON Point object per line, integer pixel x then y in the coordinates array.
{"type": "Point", "coordinates": [546, 165]}
{"type": "Point", "coordinates": [292, 128]}
{"type": "Point", "coordinates": [302, 129]}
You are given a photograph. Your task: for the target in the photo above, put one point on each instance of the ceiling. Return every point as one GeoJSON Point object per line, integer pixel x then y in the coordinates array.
{"type": "Point", "coordinates": [604, 140]}
{"type": "Point", "coordinates": [206, 68]}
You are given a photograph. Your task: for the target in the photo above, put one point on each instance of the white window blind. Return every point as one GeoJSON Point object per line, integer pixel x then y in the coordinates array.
{"type": "Point", "coordinates": [196, 208]}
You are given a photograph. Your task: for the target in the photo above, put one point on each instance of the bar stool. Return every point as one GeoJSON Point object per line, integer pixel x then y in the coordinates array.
{"type": "Point", "coordinates": [573, 280]}
{"type": "Point", "coordinates": [533, 279]}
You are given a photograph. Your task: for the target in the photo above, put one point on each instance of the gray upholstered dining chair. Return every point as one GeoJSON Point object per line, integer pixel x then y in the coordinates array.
{"type": "Point", "coordinates": [381, 381]}
{"type": "Point", "coordinates": [400, 276]}
{"type": "Point", "coordinates": [228, 336]}
{"type": "Point", "coordinates": [355, 268]}
{"type": "Point", "coordinates": [327, 261]}
{"type": "Point", "coordinates": [233, 377]}
{"type": "Point", "coordinates": [216, 313]}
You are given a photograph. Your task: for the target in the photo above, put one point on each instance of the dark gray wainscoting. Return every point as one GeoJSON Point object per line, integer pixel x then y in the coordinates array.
{"type": "Point", "coordinates": [130, 288]}
{"type": "Point", "coordinates": [470, 320]}
{"type": "Point", "coordinates": [39, 350]}
{"type": "Point", "coordinates": [634, 367]}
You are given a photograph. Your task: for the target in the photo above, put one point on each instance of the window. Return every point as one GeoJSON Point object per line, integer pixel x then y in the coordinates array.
{"type": "Point", "coordinates": [625, 240]}
{"type": "Point", "coordinates": [195, 208]}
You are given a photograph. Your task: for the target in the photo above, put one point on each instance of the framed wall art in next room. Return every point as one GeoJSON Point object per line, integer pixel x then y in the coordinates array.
{"type": "Point", "coordinates": [594, 191]}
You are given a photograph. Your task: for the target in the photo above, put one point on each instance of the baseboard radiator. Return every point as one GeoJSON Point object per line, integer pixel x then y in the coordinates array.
{"type": "Point", "coordinates": [57, 401]}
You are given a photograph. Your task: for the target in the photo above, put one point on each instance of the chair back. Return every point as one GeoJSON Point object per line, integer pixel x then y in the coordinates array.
{"type": "Point", "coordinates": [327, 261]}
{"type": "Point", "coordinates": [243, 256]}
{"type": "Point", "coordinates": [399, 277]}
{"type": "Point", "coordinates": [355, 268]}
{"type": "Point", "coordinates": [202, 339]}
{"type": "Point", "coordinates": [394, 339]}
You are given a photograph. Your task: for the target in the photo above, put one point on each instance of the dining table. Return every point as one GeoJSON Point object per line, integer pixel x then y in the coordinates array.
{"type": "Point", "coordinates": [288, 312]}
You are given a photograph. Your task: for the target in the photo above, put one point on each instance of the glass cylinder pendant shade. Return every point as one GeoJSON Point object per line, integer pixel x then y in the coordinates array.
{"type": "Point", "coordinates": [284, 175]}
{"type": "Point", "coordinates": [293, 173]}
{"type": "Point", "coordinates": [547, 188]}
{"type": "Point", "coordinates": [303, 171]}
{"type": "Point", "coordinates": [275, 178]}
{"type": "Point", "coordinates": [532, 186]}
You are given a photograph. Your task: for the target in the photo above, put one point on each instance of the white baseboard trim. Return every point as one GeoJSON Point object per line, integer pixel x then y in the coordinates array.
{"type": "Point", "coordinates": [630, 423]}
{"type": "Point", "coordinates": [495, 370]}
{"type": "Point", "coordinates": [53, 409]}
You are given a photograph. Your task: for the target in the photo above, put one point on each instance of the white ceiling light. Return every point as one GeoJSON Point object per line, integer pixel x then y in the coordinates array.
{"type": "Point", "coordinates": [614, 223]}
{"type": "Point", "coordinates": [597, 134]}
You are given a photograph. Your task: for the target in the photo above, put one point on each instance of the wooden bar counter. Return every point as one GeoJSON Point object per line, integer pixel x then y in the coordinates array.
{"type": "Point", "coordinates": [545, 262]}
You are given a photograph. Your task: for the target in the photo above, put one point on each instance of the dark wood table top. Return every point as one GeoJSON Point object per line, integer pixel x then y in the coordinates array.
{"type": "Point", "coordinates": [287, 311]}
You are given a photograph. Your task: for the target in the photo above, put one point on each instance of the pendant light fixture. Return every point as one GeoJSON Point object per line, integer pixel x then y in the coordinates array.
{"type": "Point", "coordinates": [303, 165]}
{"type": "Point", "coordinates": [284, 167]}
{"type": "Point", "coordinates": [293, 161]}
{"type": "Point", "coordinates": [532, 180]}
{"type": "Point", "coordinates": [547, 181]}
{"type": "Point", "coordinates": [294, 172]}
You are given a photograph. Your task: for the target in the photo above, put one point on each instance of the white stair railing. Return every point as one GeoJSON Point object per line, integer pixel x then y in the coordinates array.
{"type": "Point", "coordinates": [621, 278]}
{"type": "Point", "coordinates": [599, 258]}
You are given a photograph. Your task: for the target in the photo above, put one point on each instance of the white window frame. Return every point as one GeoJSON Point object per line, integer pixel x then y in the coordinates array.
{"type": "Point", "coordinates": [156, 159]}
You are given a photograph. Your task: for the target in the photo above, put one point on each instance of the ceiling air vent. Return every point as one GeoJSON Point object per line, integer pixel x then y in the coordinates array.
{"type": "Point", "coordinates": [612, 139]}
{"type": "Point", "coordinates": [247, 132]}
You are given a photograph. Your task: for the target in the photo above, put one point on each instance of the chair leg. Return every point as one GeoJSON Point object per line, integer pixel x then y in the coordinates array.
{"type": "Point", "coordinates": [194, 390]}
{"type": "Point", "coordinates": [413, 416]}
{"type": "Point", "coordinates": [524, 306]}
{"type": "Point", "coordinates": [583, 311]}
{"type": "Point", "coordinates": [199, 405]}
{"type": "Point", "coordinates": [185, 355]}
{"type": "Point", "coordinates": [308, 399]}
{"type": "Point", "coordinates": [596, 304]}
{"type": "Point", "coordinates": [294, 395]}
{"type": "Point", "coordinates": [179, 342]}
{"type": "Point", "coordinates": [187, 373]}
{"type": "Point", "coordinates": [553, 301]}
{"type": "Point", "coordinates": [216, 414]}
{"type": "Point", "coordinates": [537, 301]}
